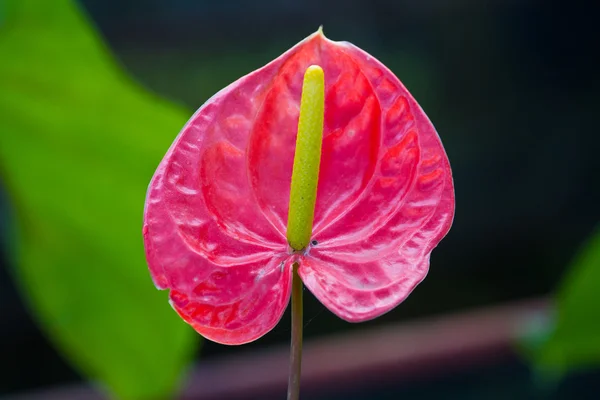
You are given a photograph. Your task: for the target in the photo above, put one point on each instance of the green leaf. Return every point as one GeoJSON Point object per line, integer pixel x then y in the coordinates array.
{"type": "Point", "coordinates": [574, 342]}
{"type": "Point", "coordinates": [79, 142]}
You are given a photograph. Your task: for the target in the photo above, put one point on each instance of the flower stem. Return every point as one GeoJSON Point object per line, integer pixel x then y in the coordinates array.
{"type": "Point", "coordinates": [296, 343]}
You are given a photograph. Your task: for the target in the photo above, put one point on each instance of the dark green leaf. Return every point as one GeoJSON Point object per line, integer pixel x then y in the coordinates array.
{"type": "Point", "coordinates": [575, 340]}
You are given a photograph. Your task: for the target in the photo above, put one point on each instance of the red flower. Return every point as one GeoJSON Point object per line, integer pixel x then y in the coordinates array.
{"type": "Point", "coordinates": [216, 209]}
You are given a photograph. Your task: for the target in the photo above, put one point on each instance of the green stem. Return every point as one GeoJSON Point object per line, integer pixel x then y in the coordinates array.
{"type": "Point", "coordinates": [296, 343]}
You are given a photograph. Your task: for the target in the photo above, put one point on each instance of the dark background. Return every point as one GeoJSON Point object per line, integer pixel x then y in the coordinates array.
{"type": "Point", "coordinates": [511, 86]}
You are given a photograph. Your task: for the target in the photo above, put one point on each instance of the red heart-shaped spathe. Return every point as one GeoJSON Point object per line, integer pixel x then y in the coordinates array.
{"type": "Point", "coordinates": [216, 209]}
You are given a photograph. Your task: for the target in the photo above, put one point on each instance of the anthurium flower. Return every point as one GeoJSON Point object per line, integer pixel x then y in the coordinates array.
{"type": "Point", "coordinates": [217, 206]}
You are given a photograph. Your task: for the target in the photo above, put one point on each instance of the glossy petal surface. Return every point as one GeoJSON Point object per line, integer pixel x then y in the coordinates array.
{"type": "Point", "coordinates": [216, 210]}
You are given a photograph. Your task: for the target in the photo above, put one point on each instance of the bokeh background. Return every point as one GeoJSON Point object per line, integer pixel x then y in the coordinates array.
{"type": "Point", "coordinates": [93, 91]}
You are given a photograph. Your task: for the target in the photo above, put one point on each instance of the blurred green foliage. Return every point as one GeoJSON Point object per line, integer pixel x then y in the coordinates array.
{"type": "Point", "coordinates": [78, 145]}
{"type": "Point", "coordinates": [572, 340]}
